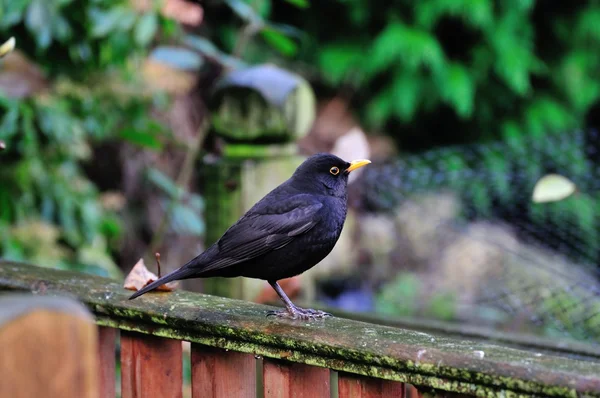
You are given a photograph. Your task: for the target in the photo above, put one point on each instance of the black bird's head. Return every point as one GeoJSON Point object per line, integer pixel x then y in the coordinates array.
{"type": "Point", "coordinates": [326, 173]}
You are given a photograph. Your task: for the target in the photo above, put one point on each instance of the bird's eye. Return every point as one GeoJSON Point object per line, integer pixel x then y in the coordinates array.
{"type": "Point", "coordinates": [334, 170]}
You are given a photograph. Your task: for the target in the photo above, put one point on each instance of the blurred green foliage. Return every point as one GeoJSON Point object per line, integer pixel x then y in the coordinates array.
{"type": "Point", "coordinates": [244, 35]}
{"type": "Point", "coordinates": [83, 87]}
{"type": "Point", "coordinates": [450, 71]}
{"type": "Point", "coordinates": [50, 212]}
{"type": "Point", "coordinates": [432, 72]}
{"type": "Point", "coordinates": [406, 295]}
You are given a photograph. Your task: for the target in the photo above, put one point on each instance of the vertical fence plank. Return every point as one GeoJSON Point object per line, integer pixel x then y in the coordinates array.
{"type": "Point", "coordinates": [354, 386]}
{"type": "Point", "coordinates": [412, 392]}
{"type": "Point", "coordinates": [217, 373]}
{"type": "Point", "coordinates": [293, 380]}
{"type": "Point", "coordinates": [107, 340]}
{"type": "Point", "coordinates": [150, 366]}
{"type": "Point", "coordinates": [46, 352]}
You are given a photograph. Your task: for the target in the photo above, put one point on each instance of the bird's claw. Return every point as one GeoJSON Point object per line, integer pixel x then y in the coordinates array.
{"type": "Point", "coordinates": [299, 313]}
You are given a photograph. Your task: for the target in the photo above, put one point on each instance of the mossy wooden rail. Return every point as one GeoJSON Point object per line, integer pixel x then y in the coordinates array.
{"type": "Point", "coordinates": [230, 337]}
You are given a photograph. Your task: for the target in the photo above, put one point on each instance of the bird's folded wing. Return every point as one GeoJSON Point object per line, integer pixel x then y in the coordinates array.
{"type": "Point", "coordinates": [260, 232]}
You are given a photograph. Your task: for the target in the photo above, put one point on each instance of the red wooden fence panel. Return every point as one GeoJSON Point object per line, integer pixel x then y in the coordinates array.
{"type": "Point", "coordinates": [107, 340]}
{"type": "Point", "coordinates": [354, 386]}
{"type": "Point", "coordinates": [150, 366]}
{"type": "Point", "coordinates": [293, 380]}
{"type": "Point", "coordinates": [217, 373]}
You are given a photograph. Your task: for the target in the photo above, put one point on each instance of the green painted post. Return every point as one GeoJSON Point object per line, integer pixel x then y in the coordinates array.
{"type": "Point", "coordinates": [259, 112]}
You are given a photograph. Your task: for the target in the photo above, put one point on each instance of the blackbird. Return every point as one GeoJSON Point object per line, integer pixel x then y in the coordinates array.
{"type": "Point", "coordinates": [287, 232]}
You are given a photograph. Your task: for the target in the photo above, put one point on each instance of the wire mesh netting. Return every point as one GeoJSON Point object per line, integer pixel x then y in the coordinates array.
{"type": "Point", "coordinates": [471, 245]}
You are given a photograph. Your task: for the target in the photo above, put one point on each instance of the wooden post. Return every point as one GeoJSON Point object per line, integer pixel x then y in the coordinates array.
{"type": "Point", "coordinates": [107, 340]}
{"type": "Point", "coordinates": [355, 386]}
{"type": "Point", "coordinates": [49, 348]}
{"type": "Point", "coordinates": [259, 112]}
{"type": "Point", "coordinates": [293, 380]}
{"type": "Point", "coordinates": [150, 366]}
{"type": "Point", "coordinates": [217, 373]}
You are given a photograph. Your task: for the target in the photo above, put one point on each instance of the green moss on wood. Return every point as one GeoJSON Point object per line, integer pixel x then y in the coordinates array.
{"type": "Point", "coordinates": [391, 353]}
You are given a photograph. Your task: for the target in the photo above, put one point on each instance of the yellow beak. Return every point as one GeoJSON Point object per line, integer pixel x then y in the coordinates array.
{"type": "Point", "coordinates": [355, 164]}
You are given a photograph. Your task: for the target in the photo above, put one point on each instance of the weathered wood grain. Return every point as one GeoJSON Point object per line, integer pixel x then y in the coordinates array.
{"type": "Point", "coordinates": [107, 340]}
{"type": "Point", "coordinates": [217, 373]}
{"type": "Point", "coordinates": [283, 379]}
{"type": "Point", "coordinates": [353, 386]}
{"type": "Point", "coordinates": [150, 366]}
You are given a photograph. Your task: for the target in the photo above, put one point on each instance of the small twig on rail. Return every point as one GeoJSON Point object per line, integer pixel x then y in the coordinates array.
{"type": "Point", "coordinates": [157, 256]}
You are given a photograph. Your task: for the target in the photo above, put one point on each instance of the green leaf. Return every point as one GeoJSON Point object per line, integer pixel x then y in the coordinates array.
{"type": "Point", "coordinates": [546, 115]}
{"type": "Point", "coordinates": [380, 108]}
{"type": "Point", "coordinates": [38, 21]}
{"type": "Point", "coordinates": [458, 89]}
{"type": "Point", "coordinates": [127, 19]}
{"type": "Point", "coordinates": [102, 22]}
{"type": "Point", "coordinates": [512, 67]}
{"type": "Point", "coordinates": [111, 226]}
{"type": "Point", "coordinates": [279, 42]}
{"type": "Point", "coordinates": [146, 28]}
{"type": "Point", "coordinates": [339, 59]}
{"type": "Point", "coordinates": [299, 3]}
{"type": "Point", "coordinates": [186, 220]}
{"type": "Point", "coordinates": [209, 50]}
{"type": "Point", "coordinates": [512, 132]}
{"type": "Point", "coordinates": [9, 122]}
{"type": "Point", "coordinates": [177, 57]}
{"type": "Point", "coordinates": [587, 26]}
{"type": "Point", "coordinates": [514, 50]}
{"type": "Point", "coordinates": [141, 138]}
{"type": "Point", "coordinates": [203, 45]}
{"type": "Point", "coordinates": [478, 13]}
{"type": "Point", "coordinates": [118, 18]}
{"type": "Point", "coordinates": [386, 48]}
{"type": "Point", "coordinates": [406, 88]}
{"type": "Point", "coordinates": [165, 183]}
{"type": "Point", "coordinates": [30, 137]}
{"type": "Point", "coordinates": [412, 47]}
{"type": "Point", "coordinates": [12, 12]}
{"type": "Point", "coordinates": [521, 5]}
{"type": "Point", "coordinates": [576, 78]}
{"type": "Point", "coordinates": [244, 11]}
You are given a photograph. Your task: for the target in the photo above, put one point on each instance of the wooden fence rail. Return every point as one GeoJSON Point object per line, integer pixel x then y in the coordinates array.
{"type": "Point", "coordinates": [236, 350]}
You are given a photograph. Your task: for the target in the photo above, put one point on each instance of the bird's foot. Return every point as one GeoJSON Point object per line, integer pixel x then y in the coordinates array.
{"type": "Point", "coordinates": [299, 313]}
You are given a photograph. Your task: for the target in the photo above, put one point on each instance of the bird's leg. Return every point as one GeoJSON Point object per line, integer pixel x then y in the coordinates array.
{"type": "Point", "coordinates": [291, 311]}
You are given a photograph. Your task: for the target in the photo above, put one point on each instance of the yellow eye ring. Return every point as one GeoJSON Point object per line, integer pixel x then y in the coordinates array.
{"type": "Point", "coordinates": [334, 170]}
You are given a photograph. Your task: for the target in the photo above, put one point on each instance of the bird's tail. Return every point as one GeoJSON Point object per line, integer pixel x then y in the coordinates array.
{"type": "Point", "coordinates": [180, 273]}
